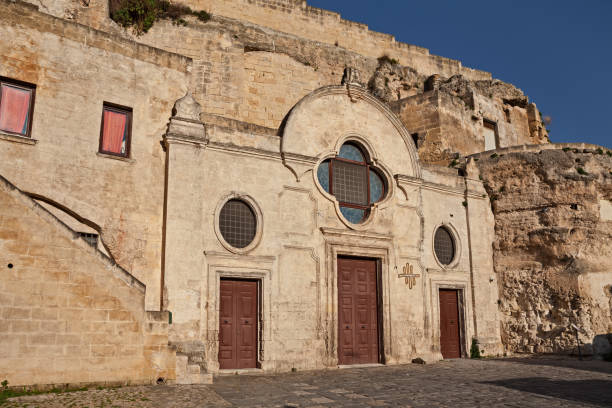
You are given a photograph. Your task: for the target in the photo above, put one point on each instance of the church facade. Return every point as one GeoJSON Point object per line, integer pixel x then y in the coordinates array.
{"type": "Point", "coordinates": [242, 193]}
{"type": "Point", "coordinates": [356, 251]}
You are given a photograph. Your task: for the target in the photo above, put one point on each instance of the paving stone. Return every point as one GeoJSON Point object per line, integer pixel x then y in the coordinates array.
{"type": "Point", "coordinates": [533, 382]}
{"type": "Point", "coordinates": [322, 400]}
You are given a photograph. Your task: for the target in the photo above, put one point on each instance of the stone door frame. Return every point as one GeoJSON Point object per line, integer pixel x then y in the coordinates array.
{"type": "Point", "coordinates": [360, 245]}
{"type": "Point", "coordinates": [463, 305]}
{"type": "Point", "coordinates": [228, 266]}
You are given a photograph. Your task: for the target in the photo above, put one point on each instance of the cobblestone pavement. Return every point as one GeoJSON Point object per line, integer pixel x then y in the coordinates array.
{"type": "Point", "coordinates": [527, 382]}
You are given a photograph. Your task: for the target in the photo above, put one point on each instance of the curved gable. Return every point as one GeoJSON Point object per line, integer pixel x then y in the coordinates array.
{"type": "Point", "coordinates": [320, 121]}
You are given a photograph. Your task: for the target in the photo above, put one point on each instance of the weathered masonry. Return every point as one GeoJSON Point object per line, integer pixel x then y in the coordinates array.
{"type": "Point", "coordinates": [272, 189]}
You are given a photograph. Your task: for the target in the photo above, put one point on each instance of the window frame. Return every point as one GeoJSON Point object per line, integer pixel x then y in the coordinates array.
{"type": "Point", "coordinates": [113, 107]}
{"type": "Point", "coordinates": [491, 125]}
{"type": "Point", "coordinates": [456, 246]}
{"type": "Point", "coordinates": [259, 219]}
{"type": "Point", "coordinates": [365, 163]}
{"type": "Point", "coordinates": [27, 86]}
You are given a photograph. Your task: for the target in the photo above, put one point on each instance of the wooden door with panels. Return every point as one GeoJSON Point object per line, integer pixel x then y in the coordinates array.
{"type": "Point", "coordinates": [358, 333]}
{"type": "Point", "coordinates": [450, 337]}
{"type": "Point", "coordinates": [238, 324]}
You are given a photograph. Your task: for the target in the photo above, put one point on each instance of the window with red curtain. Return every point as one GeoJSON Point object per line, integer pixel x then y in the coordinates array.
{"type": "Point", "coordinates": [115, 130]}
{"type": "Point", "coordinates": [16, 102]}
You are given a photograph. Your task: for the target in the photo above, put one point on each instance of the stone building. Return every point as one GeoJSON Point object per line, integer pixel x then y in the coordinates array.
{"type": "Point", "coordinates": [274, 188]}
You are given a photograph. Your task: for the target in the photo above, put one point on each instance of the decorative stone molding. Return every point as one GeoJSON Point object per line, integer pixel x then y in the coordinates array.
{"type": "Point", "coordinates": [298, 164]}
{"type": "Point", "coordinates": [233, 266]}
{"type": "Point", "coordinates": [456, 241]}
{"type": "Point", "coordinates": [340, 242]}
{"type": "Point", "coordinates": [185, 126]}
{"type": "Point", "coordinates": [378, 164]}
{"type": "Point", "coordinates": [258, 219]}
{"type": "Point", "coordinates": [187, 108]}
{"type": "Point", "coordinates": [301, 142]}
{"type": "Point", "coordinates": [352, 76]}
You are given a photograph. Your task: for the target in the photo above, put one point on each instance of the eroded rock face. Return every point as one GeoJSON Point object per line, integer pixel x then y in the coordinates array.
{"type": "Point", "coordinates": [391, 81]}
{"type": "Point", "coordinates": [553, 247]}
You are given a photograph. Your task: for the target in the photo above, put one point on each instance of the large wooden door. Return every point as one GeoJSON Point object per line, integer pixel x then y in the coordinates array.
{"type": "Point", "coordinates": [238, 324]}
{"type": "Point", "coordinates": [357, 311]}
{"type": "Point", "coordinates": [450, 341]}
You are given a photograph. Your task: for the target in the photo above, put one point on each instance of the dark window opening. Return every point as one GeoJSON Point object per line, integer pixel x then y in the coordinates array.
{"type": "Point", "coordinates": [16, 106]}
{"type": "Point", "coordinates": [116, 130]}
{"type": "Point", "coordinates": [353, 181]}
{"type": "Point", "coordinates": [92, 239]}
{"type": "Point", "coordinates": [444, 246]}
{"type": "Point", "coordinates": [237, 223]}
{"type": "Point", "coordinates": [415, 139]}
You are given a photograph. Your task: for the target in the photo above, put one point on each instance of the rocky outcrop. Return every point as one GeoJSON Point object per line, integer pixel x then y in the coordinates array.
{"type": "Point", "coordinates": [553, 247]}
{"type": "Point", "coordinates": [391, 81]}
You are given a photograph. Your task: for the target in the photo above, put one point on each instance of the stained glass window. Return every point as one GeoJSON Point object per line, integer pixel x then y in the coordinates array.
{"type": "Point", "coordinates": [350, 183]}
{"type": "Point", "coordinates": [351, 152]}
{"type": "Point", "coordinates": [350, 178]}
{"type": "Point", "coordinates": [353, 215]}
{"type": "Point", "coordinates": [323, 175]}
{"type": "Point", "coordinates": [377, 187]}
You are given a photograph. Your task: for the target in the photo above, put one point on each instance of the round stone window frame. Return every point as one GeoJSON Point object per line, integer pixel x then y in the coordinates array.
{"type": "Point", "coordinates": [250, 201]}
{"type": "Point", "coordinates": [456, 242]}
{"type": "Point", "coordinates": [371, 157]}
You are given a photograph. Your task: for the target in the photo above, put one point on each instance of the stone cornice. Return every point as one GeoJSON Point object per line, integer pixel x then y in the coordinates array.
{"type": "Point", "coordinates": [335, 232]}
{"type": "Point", "coordinates": [244, 150]}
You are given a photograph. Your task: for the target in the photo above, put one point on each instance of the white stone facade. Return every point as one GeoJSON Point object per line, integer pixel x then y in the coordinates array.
{"type": "Point", "coordinates": [301, 232]}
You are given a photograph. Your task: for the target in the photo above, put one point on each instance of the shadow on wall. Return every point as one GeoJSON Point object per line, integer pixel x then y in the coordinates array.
{"type": "Point", "coordinates": [602, 345]}
{"type": "Point", "coordinates": [595, 392]}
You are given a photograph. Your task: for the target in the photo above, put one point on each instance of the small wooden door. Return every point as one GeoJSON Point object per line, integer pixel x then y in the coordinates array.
{"type": "Point", "coordinates": [357, 311]}
{"type": "Point", "coordinates": [238, 324]}
{"type": "Point", "coordinates": [450, 339]}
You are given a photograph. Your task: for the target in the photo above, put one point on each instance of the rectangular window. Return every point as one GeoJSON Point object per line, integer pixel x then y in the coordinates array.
{"type": "Point", "coordinates": [490, 134]}
{"type": "Point", "coordinates": [16, 106]}
{"type": "Point", "coordinates": [116, 129]}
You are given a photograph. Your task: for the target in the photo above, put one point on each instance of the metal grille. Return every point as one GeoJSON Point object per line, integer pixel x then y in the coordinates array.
{"type": "Point", "coordinates": [92, 239]}
{"type": "Point", "coordinates": [350, 183]}
{"type": "Point", "coordinates": [237, 223]}
{"type": "Point", "coordinates": [444, 246]}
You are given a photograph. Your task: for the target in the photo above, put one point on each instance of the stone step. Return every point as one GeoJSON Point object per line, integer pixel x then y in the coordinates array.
{"type": "Point", "coordinates": [189, 373]}
{"type": "Point", "coordinates": [201, 378]}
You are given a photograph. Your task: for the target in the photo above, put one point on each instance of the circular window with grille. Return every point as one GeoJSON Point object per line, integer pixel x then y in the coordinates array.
{"type": "Point", "coordinates": [444, 246]}
{"type": "Point", "coordinates": [238, 224]}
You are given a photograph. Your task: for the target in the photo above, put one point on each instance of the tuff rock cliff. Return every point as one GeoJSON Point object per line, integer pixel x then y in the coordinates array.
{"type": "Point", "coordinates": [553, 247]}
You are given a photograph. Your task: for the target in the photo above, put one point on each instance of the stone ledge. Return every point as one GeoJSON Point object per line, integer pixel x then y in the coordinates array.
{"type": "Point", "coordinates": [536, 148]}
{"type": "Point", "coordinates": [18, 12]}
{"type": "Point", "coordinates": [9, 137]}
{"type": "Point", "coordinates": [120, 158]}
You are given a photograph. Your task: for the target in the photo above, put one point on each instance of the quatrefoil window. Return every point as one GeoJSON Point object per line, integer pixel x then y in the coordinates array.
{"type": "Point", "coordinates": [353, 180]}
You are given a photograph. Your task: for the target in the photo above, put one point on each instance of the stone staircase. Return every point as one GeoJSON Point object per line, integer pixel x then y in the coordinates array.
{"type": "Point", "coordinates": [190, 365]}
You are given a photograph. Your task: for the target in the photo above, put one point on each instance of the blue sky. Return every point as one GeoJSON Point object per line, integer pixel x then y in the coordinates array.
{"type": "Point", "coordinates": [558, 52]}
